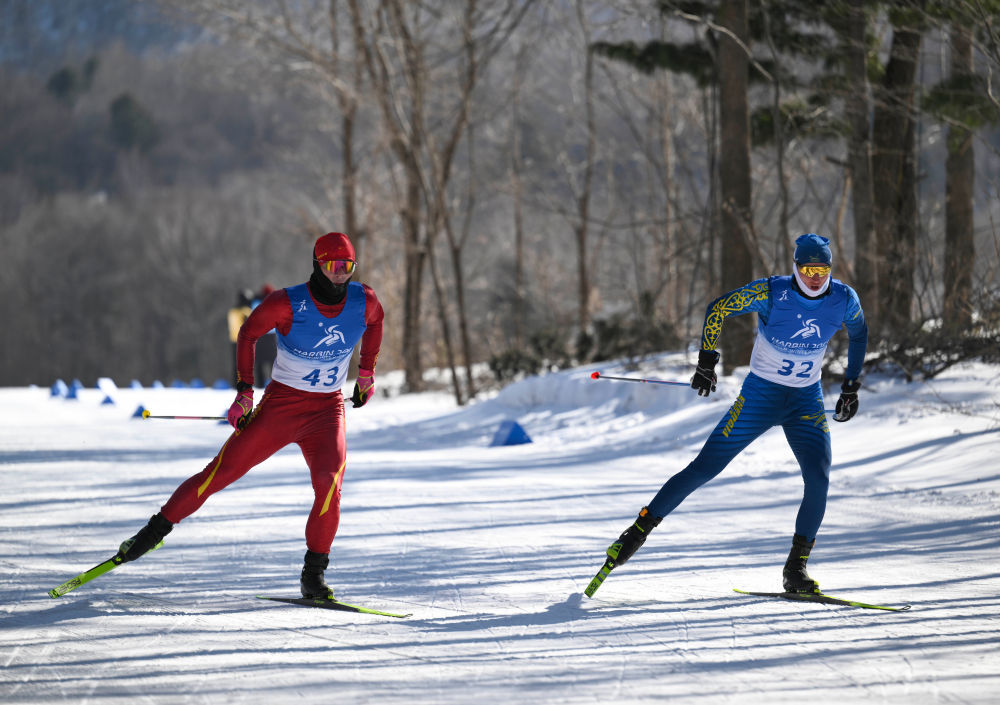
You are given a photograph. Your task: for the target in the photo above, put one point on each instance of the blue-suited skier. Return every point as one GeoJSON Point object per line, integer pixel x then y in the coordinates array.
{"type": "Point", "coordinates": [796, 317]}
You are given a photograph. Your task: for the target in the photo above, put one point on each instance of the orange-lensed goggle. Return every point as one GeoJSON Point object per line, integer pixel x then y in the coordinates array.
{"type": "Point", "coordinates": [338, 266]}
{"type": "Point", "coordinates": [814, 270]}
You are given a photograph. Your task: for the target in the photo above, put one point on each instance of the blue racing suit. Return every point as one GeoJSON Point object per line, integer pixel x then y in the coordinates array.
{"type": "Point", "coordinates": [783, 386]}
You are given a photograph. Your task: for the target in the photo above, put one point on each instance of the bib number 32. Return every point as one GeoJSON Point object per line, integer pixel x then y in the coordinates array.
{"type": "Point", "coordinates": [789, 366]}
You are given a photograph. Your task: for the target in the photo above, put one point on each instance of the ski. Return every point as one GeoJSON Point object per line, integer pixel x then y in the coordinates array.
{"type": "Point", "coordinates": [331, 605]}
{"type": "Point", "coordinates": [86, 576]}
{"type": "Point", "coordinates": [823, 599]}
{"type": "Point", "coordinates": [95, 572]}
{"type": "Point", "coordinates": [600, 577]}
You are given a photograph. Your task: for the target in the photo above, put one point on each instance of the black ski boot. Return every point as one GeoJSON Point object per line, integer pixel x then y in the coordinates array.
{"type": "Point", "coordinates": [633, 537]}
{"type": "Point", "coordinates": [312, 583]}
{"type": "Point", "coordinates": [794, 576]}
{"type": "Point", "coordinates": [149, 537]}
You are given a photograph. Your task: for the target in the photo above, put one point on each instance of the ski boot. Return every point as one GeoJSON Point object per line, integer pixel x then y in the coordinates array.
{"type": "Point", "coordinates": [794, 576]}
{"type": "Point", "coordinates": [312, 583]}
{"type": "Point", "coordinates": [621, 550]}
{"type": "Point", "coordinates": [633, 537]}
{"type": "Point", "coordinates": [149, 537]}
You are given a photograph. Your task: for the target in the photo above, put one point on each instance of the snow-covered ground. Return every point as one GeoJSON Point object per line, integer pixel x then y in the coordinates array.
{"type": "Point", "coordinates": [490, 548]}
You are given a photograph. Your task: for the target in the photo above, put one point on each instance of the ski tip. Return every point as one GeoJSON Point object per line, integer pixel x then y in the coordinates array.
{"type": "Point", "coordinates": [598, 580]}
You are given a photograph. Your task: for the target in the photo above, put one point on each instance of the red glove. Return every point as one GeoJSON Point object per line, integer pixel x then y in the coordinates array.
{"type": "Point", "coordinates": [239, 412]}
{"type": "Point", "coordinates": [363, 388]}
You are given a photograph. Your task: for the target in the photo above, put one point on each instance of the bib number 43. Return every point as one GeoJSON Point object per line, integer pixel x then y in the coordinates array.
{"type": "Point", "coordinates": [322, 378]}
{"type": "Point", "coordinates": [789, 368]}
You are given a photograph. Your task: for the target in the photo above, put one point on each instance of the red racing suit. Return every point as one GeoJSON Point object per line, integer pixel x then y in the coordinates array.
{"type": "Point", "coordinates": [313, 420]}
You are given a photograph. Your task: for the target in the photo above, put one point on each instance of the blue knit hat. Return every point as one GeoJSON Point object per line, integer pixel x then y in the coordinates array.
{"type": "Point", "coordinates": [812, 249]}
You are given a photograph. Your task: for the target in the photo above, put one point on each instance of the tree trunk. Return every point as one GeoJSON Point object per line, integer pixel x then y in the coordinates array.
{"type": "Point", "coordinates": [902, 264]}
{"type": "Point", "coordinates": [517, 186]}
{"type": "Point", "coordinates": [348, 103]}
{"type": "Point", "coordinates": [734, 181]}
{"type": "Point", "coordinates": [583, 199]}
{"type": "Point", "coordinates": [783, 254]}
{"type": "Point", "coordinates": [415, 253]}
{"type": "Point", "coordinates": [406, 142]}
{"type": "Point", "coordinates": [959, 245]}
{"type": "Point", "coordinates": [853, 31]}
{"type": "Point", "coordinates": [456, 386]}
{"type": "Point", "coordinates": [894, 182]}
{"type": "Point", "coordinates": [463, 323]}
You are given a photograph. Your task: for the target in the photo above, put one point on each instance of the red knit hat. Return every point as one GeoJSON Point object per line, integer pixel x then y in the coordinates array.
{"type": "Point", "coordinates": [333, 246]}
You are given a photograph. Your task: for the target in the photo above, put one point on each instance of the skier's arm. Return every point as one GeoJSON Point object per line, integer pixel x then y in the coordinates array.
{"type": "Point", "coordinates": [275, 311]}
{"type": "Point", "coordinates": [753, 297]}
{"type": "Point", "coordinates": [371, 340]}
{"type": "Point", "coordinates": [857, 329]}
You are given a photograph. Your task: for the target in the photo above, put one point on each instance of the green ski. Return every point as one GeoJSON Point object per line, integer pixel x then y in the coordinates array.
{"type": "Point", "coordinates": [331, 605]}
{"type": "Point", "coordinates": [823, 599]}
{"type": "Point", "coordinates": [86, 576]}
{"type": "Point", "coordinates": [95, 572]}
{"type": "Point", "coordinates": [600, 577]}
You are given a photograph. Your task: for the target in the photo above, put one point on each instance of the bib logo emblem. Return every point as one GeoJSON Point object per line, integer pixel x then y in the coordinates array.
{"type": "Point", "coordinates": [809, 329]}
{"type": "Point", "coordinates": [784, 295]}
{"type": "Point", "coordinates": [333, 335]}
{"type": "Point", "coordinates": [302, 306]}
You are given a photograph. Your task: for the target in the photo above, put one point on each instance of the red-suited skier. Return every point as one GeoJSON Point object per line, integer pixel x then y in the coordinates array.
{"type": "Point", "coordinates": [319, 323]}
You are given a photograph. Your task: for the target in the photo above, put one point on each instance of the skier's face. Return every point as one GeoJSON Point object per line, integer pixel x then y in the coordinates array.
{"type": "Point", "coordinates": [814, 276]}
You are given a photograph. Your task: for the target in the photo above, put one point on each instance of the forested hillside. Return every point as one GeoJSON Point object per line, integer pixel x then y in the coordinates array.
{"type": "Point", "coordinates": [529, 184]}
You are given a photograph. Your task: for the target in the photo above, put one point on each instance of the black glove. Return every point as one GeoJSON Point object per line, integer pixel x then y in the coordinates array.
{"type": "Point", "coordinates": [704, 375]}
{"type": "Point", "coordinates": [847, 405]}
{"type": "Point", "coordinates": [363, 388]}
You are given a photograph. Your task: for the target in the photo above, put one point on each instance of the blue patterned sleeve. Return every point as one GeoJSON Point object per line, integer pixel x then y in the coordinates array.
{"type": "Point", "coordinates": [751, 298]}
{"type": "Point", "coordinates": [857, 329]}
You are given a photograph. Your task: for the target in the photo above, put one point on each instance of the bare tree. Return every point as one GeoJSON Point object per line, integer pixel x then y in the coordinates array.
{"type": "Point", "coordinates": [959, 244]}
{"type": "Point", "coordinates": [425, 122]}
{"type": "Point", "coordinates": [734, 174]}
{"type": "Point", "coordinates": [852, 28]}
{"type": "Point", "coordinates": [584, 184]}
{"type": "Point", "coordinates": [309, 40]}
{"type": "Point", "coordinates": [399, 116]}
{"type": "Point", "coordinates": [517, 197]}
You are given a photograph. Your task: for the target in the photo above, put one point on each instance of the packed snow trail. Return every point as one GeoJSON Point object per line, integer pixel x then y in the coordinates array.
{"type": "Point", "coordinates": [490, 550]}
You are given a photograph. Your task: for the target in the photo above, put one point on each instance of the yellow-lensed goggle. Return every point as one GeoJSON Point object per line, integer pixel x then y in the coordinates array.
{"type": "Point", "coordinates": [338, 266]}
{"type": "Point", "coordinates": [814, 270]}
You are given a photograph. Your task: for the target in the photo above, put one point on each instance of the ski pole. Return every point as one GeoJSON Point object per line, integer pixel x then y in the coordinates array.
{"type": "Point", "coordinates": [598, 375]}
{"type": "Point", "coordinates": [147, 415]}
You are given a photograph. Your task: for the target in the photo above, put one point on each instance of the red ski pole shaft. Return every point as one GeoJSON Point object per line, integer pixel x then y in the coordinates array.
{"type": "Point", "coordinates": [598, 375]}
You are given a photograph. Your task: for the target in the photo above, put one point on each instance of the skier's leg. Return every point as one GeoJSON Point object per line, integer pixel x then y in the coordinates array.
{"type": "Point", "coordinates": [751, 414]}
{"type": "Point", "coordinates": [808, 434]}
{"type": "Point", "coordinates": [324, 447]}
{"type": "Point", "coordinates": [271, 427]}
